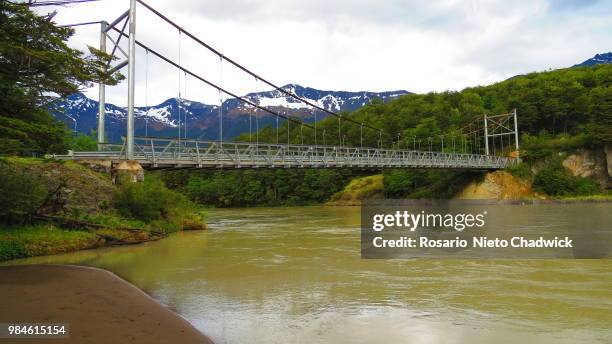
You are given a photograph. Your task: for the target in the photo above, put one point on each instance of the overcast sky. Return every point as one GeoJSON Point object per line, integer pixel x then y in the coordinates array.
{"type": "Point", "coordinates": [354, 45]}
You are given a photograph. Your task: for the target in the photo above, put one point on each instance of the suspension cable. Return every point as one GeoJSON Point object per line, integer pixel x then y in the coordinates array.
{"type": "Point", "coordinates": [250, 128]}
{"type": "Point", "coordinates": [211, 84]}
{"type": "Point", "coordinates": [315, 126]}
{"type": "Point", "coordinates": [179, 87]}
{"type": "Point", "coordinates": [256, 117]}
{"type": "Point", "coordinates": [340, 131]}
{"type": "Point", "coordinates": [81, 24]}
{"type": "Point", "coordinates": [146, 93]}
{"type": "Point", "coordinates": [244, 69]}
{"type": "Point", "coordinates": [220, 100]}
{"type": "Point", "coordinates": [324, 144]}
{"type": "Point", "coordinates": [361, 135]}
{"type": "Point", "coordinates": [185, 112]}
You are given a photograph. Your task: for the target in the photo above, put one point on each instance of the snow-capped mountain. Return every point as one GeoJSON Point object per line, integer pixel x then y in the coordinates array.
{"type": "Point", "coordinates": [202, 120]}
{"type": "Point", "coordinates": [597, 59]}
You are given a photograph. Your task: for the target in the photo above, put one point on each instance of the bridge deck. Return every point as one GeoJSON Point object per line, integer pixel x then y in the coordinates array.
{"type": "Point", "coordinates": [160, 153]}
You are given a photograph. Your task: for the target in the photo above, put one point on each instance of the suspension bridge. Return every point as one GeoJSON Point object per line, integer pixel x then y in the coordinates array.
{"type": "Point", "coordinates": [492, 145]}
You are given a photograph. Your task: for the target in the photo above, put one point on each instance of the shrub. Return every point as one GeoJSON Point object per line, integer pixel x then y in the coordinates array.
{"type": "Point", "coordinates": [586, 186]}
{"type": "Point", "coordinates": [154, 204]}
{"type": "Point", "coordinates": [10, 249]}
{"type": "Point", "coordinates": [522, 171]}
{"type": "Point", "coordinates": [535, 147]}
{"type": "Point", "coordinates": [21, 194]}
{"type": "Point", "coordinates": [84, 142]}
{"type": "Point", "coordinates": [398, 183]}
{"type": "Point", "coordinates": [555, 180]}
{"type": "Point", "coordinates": [201, 190]}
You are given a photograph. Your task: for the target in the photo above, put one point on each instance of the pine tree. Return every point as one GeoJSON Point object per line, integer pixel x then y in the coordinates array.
{"type": "Point", "coordinates": [37, 67]}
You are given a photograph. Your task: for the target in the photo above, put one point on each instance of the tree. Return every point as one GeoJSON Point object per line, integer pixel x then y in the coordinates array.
{"type": "Point", "coordinates": [601, 115]}
{"type": "Point", "coordinates": [22, 194]}
{"type": "Point", "coordinates": [84, 142]}
{"type": "Point", "coordinates": [36, 68]}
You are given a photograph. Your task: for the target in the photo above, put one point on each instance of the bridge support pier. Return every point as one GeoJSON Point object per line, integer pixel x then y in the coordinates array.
{"type": "Point", "coordinates": [127, 171]}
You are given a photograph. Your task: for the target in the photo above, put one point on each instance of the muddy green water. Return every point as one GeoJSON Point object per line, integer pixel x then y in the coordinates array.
{"type": "Point", "coordinates": [294, 275]}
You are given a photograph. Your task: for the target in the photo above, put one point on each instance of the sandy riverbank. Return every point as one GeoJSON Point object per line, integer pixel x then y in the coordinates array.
{"type": "Point", "coordinates": [99, 306]}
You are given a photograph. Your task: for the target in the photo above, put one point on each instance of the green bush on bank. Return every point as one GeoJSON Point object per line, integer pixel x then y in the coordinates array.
{"type": "Point", "coordinates": [84, 142]}
{"type": "Point", "coordinates": [400, 183]}
{"type": "Point", "coordinates": [155, 205]}
{"type": "Point", "coordinates": [544, 145]}
{"type": "Point", "coordinates": [21, 196]}
{"type": "Point", "coordinates": [521, 171]}
{"type": "Point", "coordinates": [555, 180]}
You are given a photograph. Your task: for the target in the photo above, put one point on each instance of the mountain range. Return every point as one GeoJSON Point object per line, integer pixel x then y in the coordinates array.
{"type": "Point", "coordinates": [202, 120]}
{"type": "Point", "coordinates": [597, 59]}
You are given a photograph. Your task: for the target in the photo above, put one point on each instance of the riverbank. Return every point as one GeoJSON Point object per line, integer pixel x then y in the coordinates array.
{"type": "Point", "coordinates": [49, 207]}
{"type": "Point", "coordinates": [99, 306]}
{"type": "Point", "coordinates": [500, 186]}
{"type": "Point", "coordinates": [47, 238]}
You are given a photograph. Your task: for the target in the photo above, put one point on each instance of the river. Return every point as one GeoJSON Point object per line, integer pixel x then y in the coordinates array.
{"type": "Point", "coordinates": [294, 275]}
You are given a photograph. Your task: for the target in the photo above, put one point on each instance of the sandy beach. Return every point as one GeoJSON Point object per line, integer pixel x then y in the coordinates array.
{"type": "Point", "coordinates": [99, 306]}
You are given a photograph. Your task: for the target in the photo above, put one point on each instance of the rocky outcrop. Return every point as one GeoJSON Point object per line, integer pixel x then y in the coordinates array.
{"type": "Point", "coordinates": [497, 185]}
{"type": "Point", "coordinates": [72, 188]}
{"type": "Point", "coordinates": [100, 166]}
{"type": "Point", "coordinates": [588, 163]}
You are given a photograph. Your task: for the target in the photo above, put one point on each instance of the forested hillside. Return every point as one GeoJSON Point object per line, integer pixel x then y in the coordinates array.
{"type": "Point", "coordinates": [558, 110]}
{"type": "Point", "coordinates": [569, 101]}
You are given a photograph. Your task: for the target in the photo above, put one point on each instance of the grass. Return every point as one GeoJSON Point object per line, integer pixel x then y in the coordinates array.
{"type": "Point", "coordinates": [41, 239]}
{"type": "Point", "coordinates": [588, 198]}
{"type": "Point", "coordinates": [113, 221]}
{"type": "Point", "coordinates": [22, 160]}
{"type": "Point", "coordinates": [359, 189]}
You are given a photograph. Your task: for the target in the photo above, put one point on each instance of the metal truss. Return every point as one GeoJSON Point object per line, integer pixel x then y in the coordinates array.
{"type": "Point", "coordinates": [500, 126]}
{"type": "Point", "coordinates": [173, 153]}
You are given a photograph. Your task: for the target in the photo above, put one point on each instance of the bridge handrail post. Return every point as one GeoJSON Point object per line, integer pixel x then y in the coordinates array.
{"type": "Point", "coordinates": [152, 152]}
{"type": "Point", "coordinates": [199, 160]}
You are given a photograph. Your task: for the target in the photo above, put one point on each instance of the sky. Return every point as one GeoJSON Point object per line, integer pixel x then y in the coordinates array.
{"type": "Point", "coordinates": [350, 45]}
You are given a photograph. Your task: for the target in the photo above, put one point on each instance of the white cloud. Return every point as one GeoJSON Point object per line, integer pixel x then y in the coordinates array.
{"type": "Point", "coordinates": [355, 44]}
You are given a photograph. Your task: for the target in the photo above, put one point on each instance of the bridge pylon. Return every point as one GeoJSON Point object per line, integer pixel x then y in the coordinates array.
{"type": "Point", "coordinates": [127, 19]}
{"type": "Point", "coordinates": [498, 127]}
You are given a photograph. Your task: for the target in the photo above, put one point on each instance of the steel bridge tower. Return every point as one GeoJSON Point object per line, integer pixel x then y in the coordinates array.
{"type": "Point", "coordinates": [128, 18]}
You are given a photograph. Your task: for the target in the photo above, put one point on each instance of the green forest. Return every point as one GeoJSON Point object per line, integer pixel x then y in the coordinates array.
{"type": "Point", "coordinates": [558, 111]}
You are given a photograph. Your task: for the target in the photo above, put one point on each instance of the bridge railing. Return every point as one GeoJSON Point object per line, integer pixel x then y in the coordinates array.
{"type": "Point", "coordinates": [166, 151]}
{"type": "Point", "coordinates": [172, 152]}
